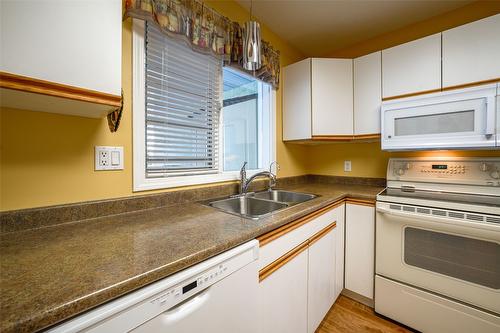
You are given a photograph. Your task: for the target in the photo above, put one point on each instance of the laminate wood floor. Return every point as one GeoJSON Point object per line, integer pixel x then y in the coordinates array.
{"type": "Point", "coordinates": [347, 315]}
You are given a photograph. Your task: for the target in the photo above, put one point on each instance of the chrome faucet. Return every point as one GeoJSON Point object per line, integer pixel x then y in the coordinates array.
{"type": "Point", "coordinates": [245, 183]}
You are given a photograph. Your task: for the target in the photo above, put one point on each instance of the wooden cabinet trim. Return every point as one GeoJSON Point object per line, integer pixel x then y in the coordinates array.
{"type": "Point", "coordinates": [316, 237]}
{"type": "Point", "coordinates": [346, 138]}
{"type": "Point", "coordinates": [372, 136]}
{"type": "Point", "coordinates": [283, 230]}
{"type": "Point", "coordinates": [332, 137]}
{"type": "Point", "coordinates": [461, 86]}
{"type": "Point", "coordinates": [472, 84]}
{"type": "Point", "coordinates": [411, 94]}
{"type": "Point", "coordinates": [281, 261]}
{"type": "Point", "coordinates": [361, 202]}
{"type": "Point", "coordinates": [28, 84]}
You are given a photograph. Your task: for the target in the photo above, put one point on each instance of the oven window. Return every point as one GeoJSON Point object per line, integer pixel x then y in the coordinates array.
{"type": "Point", "coordinates": [467, 259]}
{"type": "Point", "coordinates": [450, 122]}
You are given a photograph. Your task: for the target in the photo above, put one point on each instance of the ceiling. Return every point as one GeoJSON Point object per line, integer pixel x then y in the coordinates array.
{"type": "Point", "coordinates": [319, 27]}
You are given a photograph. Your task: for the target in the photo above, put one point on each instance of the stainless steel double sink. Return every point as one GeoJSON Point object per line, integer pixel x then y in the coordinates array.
{"type": "Point", "coordinates": [259, 204]}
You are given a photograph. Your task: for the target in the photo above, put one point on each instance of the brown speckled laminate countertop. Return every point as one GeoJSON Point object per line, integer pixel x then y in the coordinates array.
{"type": "Point", "coordinates": [53, 273]}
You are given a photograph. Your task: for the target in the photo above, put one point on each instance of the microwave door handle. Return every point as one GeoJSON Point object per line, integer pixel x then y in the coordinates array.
{"type": "Point", "coordinates": [490, 117]}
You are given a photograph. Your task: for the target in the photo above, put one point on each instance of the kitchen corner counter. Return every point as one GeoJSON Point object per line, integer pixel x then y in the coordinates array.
{"type": "Point", "coordinates": [53, 273]}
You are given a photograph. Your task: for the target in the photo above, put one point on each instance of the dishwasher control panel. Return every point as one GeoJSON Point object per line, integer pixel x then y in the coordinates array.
{"type": "Point", "coordinates": [192, 286]}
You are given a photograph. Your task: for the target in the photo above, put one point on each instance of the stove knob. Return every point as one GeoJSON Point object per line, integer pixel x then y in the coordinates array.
{"type": "Point", "coordinates": [495, 174]}
{"type": "Point", "coordinates": [483, 167]}
{"type": "Point", "coordinates": [401, 172]}
{"type": "Point", "coordinates": [407, 166]}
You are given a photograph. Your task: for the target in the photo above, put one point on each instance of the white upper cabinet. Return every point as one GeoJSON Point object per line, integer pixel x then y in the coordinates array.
{"type": "Point", "coordinates": [332, 97]}
{"type": "Point", "coordinates": [76, 43]}
{"type": "Point", "coordinates": [317, 99]}
{"type": "Point", "coordinates": [471, 52]}
{"type": "Point", "coordinates": [412, 67]}
{"type": "Point", "coordinates": [61, 56]}
{"type": "Point", "coordinates": [297, 101]}
{"type": "Point", "coordinates": [367, 93]}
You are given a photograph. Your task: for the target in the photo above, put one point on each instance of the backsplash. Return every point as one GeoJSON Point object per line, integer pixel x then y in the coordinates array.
{"type": "Point", "coordinates": [26, 219]}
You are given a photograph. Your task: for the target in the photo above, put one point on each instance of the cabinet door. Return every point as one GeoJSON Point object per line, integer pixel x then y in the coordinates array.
{"type": "Point", "coordinates": [77, 43]}
{"type": "Point", "coordinates": [321, 282]}
{"type": "Point", "coordinates": [339, 250]}
{"type": "Point", "coordinates": [283, 298]}
{"type": "Point", "coordinates": [471, 52]}
{"type": "Point", "coordinates": [332, 94]}
{"type": "Point", "coordinates": [360, 249]}
{"type": "Point", "coordinates": [412, 67]}
{"type": "Point", "coordinates": [367, 93]}
{"type": "Point", "coordinates": [297, 101]}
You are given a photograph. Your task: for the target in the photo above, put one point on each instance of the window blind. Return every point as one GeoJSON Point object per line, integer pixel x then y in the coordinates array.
{"type": "Point", "coordinates": [182, 107]}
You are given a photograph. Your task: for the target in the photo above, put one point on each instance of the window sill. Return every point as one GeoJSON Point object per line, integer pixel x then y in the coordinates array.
{"type": "Point", "coordinates": [147, 184]}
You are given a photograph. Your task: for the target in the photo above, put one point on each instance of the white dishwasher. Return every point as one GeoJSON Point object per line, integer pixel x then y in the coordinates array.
{"type": "Point", "coordinates": [216, 295]}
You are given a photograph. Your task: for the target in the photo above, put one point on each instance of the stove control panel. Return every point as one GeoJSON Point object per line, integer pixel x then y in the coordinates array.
{"type": "Point", "coordinates": [467, 171]}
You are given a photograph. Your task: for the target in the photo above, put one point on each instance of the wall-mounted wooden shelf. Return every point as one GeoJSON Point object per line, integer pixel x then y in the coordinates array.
{"type": "Point", "coordinates": [26, 93]}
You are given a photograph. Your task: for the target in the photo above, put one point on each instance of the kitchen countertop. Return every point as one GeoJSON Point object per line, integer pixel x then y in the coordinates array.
{"type": "Point", "coordinates": [53, 273]}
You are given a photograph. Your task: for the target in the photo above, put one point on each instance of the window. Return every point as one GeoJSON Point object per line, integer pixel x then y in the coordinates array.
{"type": "Point", "coordinates": [194, 120]}
{"type": "Point", "coordinates": [246, 121]}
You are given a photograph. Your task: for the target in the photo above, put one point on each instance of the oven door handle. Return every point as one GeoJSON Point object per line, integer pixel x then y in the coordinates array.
{"type": "Point", "coordinates": [441, 219]}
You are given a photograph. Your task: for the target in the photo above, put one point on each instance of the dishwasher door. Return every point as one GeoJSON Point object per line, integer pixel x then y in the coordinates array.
{"type": "Point", "coordinates": [227, 306]}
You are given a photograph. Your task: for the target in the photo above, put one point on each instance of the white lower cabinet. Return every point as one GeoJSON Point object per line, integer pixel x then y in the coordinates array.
{"type": "Point", "coordinates": [339, 249]}
{"type": "Point", "coordinates": [301, 274]}
{"type": "Point", "coordinates": [283, 298]}
{"type": "Point", "coordinates": [360, 249]}
{"type": "Point", "coordinates": [321, 282]}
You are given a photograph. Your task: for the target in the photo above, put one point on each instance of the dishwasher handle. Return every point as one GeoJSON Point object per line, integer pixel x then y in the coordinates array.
{"type": "Point", "coordinates": [184, 309]}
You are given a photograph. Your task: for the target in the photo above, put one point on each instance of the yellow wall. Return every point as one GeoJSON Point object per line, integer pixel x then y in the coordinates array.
{"type": "Point", "coordinates": [367, 158]}
{"type": "Point", "coordinates": [48, 159]}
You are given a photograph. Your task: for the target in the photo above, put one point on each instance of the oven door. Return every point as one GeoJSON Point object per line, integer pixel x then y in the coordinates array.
{"type": "Point", "coordinates": [444, 120]}
{"type": "Point", "coordinates": [440, 251]}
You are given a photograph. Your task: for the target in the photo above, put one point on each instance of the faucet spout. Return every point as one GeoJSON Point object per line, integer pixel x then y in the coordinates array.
{"type": "Point", "coordinates": [259, 174]}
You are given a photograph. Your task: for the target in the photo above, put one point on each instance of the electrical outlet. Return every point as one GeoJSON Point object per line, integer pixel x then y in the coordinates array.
{"type": "Point", "coordinates": [108, 158]}
{"type": "Point", "coordinates": [347, 166]}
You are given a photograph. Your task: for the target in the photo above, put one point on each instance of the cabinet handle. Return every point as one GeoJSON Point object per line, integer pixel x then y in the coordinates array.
{"type": "Point", "coordinates": [281, 261]}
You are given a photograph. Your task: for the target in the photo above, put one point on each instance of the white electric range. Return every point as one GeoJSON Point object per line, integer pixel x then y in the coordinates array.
{"type": "Point", "coordinates": [438, 244]}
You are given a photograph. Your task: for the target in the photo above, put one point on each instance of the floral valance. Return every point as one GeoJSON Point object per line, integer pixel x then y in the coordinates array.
{"type": "Point", "coordinates": [206, 31]}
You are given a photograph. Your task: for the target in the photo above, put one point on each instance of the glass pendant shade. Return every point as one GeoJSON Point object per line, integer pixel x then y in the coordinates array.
{"type": "Point", "coordinates": [251, 46]}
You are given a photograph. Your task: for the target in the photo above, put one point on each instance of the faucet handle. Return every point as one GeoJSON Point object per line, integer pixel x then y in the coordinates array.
{"type": "Point", "coordinates": [271, 167]}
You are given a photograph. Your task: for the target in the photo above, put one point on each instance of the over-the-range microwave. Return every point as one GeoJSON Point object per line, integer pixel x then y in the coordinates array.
{"type": "Point", "coordinates": [456, 119]}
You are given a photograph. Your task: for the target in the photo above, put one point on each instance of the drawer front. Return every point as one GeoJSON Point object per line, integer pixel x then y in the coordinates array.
{"type": "Point", "coordinates": [430, 312]}
{"type": "Point", "coordinates": [279, 246]}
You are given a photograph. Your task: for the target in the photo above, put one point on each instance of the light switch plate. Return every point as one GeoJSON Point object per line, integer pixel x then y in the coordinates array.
{"type": "Point", "coordinates": [347, 166]}
{"type": "Point", "coordinates": [108, 158]}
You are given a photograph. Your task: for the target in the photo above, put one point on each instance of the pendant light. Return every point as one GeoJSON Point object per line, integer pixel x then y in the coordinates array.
{"type": "Point", "coordinates": [251, 44]}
